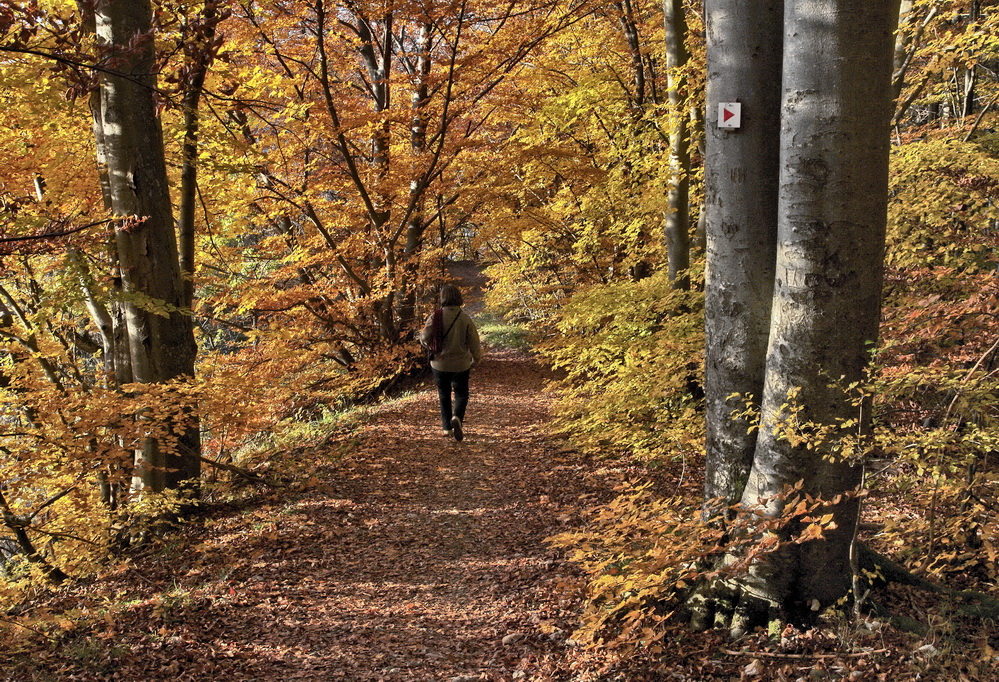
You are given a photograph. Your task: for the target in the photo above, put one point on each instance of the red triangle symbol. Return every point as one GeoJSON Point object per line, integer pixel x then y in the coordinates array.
{"type": "Point", "coordinates": [727, 115]}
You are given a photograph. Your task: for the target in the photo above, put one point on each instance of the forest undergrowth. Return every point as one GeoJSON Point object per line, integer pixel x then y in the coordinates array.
{"type": "Point", "coordinates": [379, 550]}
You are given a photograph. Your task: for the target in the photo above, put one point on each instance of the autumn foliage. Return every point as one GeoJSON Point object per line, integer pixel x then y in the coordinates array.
{"type": "Point", "coordinates": [326, 162]}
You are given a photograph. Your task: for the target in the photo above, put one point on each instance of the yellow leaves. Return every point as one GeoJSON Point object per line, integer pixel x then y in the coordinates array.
{"type": "Point", "coordinates": [939, 189]}
{"type": "Point", "coordinates": [630, 344]}
{"type": "Point", "coordinates": [590, 168]}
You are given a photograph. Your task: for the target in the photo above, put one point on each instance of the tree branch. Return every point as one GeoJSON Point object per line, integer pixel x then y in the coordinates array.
{"type": "Point", "coordinates": [52, 235]}
{"type": "Point", "coordinates": [239, 471]}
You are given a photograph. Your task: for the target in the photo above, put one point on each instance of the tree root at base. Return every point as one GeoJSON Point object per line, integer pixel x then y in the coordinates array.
{"type": "Point", "coordinates": [973, 604]}
{"type": "Point", "coordinates": [724, 604]}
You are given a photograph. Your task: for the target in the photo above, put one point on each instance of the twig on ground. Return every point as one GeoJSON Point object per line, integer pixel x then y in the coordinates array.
{"type": "Point", "coordinates": [803, 657]}
{"type": "Point", "coordinates": [30, 629]}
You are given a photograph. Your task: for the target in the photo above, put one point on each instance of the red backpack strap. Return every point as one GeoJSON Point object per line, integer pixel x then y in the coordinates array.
{"type": "Point", "coordinates": [437, 332]}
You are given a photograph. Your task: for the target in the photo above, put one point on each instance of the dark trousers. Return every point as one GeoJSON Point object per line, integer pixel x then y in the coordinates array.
{"type": "Point", "coordinates": [446, 381]}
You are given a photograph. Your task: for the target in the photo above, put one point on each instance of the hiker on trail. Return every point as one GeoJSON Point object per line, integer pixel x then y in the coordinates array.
{"type": "Point", "coordinates": [453, 340]}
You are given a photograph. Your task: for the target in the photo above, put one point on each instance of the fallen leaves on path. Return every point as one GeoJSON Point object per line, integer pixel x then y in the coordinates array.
{"type": "Point", "coordinates": [412, 557]}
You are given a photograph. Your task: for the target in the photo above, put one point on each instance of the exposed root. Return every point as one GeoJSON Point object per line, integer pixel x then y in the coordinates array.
{"type": "Point", "coordinates": [973, 604]}
{"type": "Point", "coordinates": [729, 605]}
{"type": "Point", "coordinates": [732, 604]}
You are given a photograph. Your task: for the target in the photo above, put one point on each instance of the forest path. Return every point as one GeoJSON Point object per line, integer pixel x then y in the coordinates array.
{"type": "Point", "coordinates": [427, 560]}
{"type": "Point", "coordinates": [422, 558]}
{"type": "Point", "coordinates": [407, 556]}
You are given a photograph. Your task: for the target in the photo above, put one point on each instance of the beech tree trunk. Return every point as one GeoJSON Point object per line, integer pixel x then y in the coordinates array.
{"type": "Point", "coordinates": [795, 268]}
{"type": "Point", "coordinates": [129, 137]}
{"type": "Point", "coordinates": [417, 224]}
{"type": "Point", "coordinates": [903, 42]}
{"type": "Point", "coordinates": [631, 36]}
{"type": "Point", "coordinates": [678, 198]}
{"type": "Point", "coordinates": [744, 39]}
{"type": "Point", "coordinates": [827, 290]}
{"type": "Point", "coordinates": [189, 171]}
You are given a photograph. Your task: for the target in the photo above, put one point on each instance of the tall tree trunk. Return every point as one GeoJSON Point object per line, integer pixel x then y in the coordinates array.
{"type": "Point", "coordinates": [907, 43]}
{"type": "Point", "coordinates": [678, 200]}
{"type": "Point", "coordinates": [161, 346]}
{"type": "Point", "coordinates": [631, 36]}
{"type": "Point", "coordinates": [376, 45]}
{"type": "Point", "coordinates": [417, 223]}
{"type": "Point", "coordinates": [744, 48]}
{"type": "Point", "coordinates": [109, 322]}
{"type": "Point", "coordinates": [637, 100]}
{"type": "Point", "coordinates": [970, 74]}
{"type": "Point", "coordinates": [189, 168]}
{"type": "Point", "coordinates": [697, 133]}
{"type": "Point", "coordinates": [117, 358]}
{"type": "Point", "coordinates": [903, 42]}
{"type": "Point", "coordinates": [968, 92]}
{"type": "Point", "coordinates": [827, 294]}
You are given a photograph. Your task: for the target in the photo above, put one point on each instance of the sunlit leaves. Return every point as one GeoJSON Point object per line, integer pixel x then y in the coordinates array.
{"type": "Point", "coordinates": [631, 353]}
{"type": "Point", "coordinates": [944, 197]}
{"type": "Point", "coordinates": [645, 554]}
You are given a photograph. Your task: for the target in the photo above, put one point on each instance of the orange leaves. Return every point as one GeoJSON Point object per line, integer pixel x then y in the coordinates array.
{"type": "Point", "coordinates": [643, 555]}
{"type": "Point", "coordinates": [365, 146]}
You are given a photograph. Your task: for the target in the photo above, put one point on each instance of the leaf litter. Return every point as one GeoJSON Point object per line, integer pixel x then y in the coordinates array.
{"type": "Point", "coordinates": [406, 556]}
{"type": "Point", "coordinates": [411, 557]}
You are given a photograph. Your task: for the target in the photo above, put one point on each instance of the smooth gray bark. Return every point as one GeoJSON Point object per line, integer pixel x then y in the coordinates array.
{"type": "Point", "coordinates": [827, 294]}
{"type": "Point", "coordinates": [907, 42]}
{"type": "Point", "coordinates": [130, 138]}
{"type": "Point", "coordinates": [744, 39]}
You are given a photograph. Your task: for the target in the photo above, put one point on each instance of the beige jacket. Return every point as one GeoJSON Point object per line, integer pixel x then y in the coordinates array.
{"type": "Point", "coordinates": [461, 348]}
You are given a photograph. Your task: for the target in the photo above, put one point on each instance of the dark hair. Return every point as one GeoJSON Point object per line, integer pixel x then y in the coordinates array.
{"type": "Point", "coordinates": [451, 295]}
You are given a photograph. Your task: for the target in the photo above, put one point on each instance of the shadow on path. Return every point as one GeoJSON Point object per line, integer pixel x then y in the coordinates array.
{"type": "Point", "coordinates": [411, 557]}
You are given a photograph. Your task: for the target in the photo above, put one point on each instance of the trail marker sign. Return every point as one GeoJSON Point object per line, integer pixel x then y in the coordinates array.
{"type": "Point", "coordinates": [729, 115]}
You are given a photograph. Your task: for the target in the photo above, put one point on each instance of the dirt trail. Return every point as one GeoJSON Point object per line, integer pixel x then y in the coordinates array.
{"type": "Point", "coordinates": [430, 554]}
{"type": "Point", "coordinates": [425, 559]}
{"type": "Point", "coordinates": [411, 557]}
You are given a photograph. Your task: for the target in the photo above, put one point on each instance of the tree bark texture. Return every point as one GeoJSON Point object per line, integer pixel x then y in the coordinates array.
{"type": "Point", "coordinates": [189, 170]}
{"type": "Point", "coordinates": [827, 293]}
{"type": "Point", "coordinates": [744, 39]}
{"type": "Point", "coordinates": [678, 197]}
{"type": "Point", "coordinates": [903, 41]}
{"type": "Point", "coordinates": [631, 36]}
{"type": "Point", "coordinates": [161, 343]}
{"type": "Point", "coordinates": [417, 224]}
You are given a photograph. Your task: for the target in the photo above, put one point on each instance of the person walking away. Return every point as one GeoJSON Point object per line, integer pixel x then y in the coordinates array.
{"type": "Point", "coordinates": [453, 339]}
